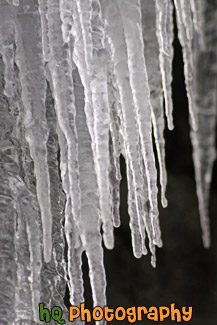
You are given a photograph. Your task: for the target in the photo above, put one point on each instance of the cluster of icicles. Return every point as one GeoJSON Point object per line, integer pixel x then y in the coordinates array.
{"type": "Point", "coordinates": [84, 82]}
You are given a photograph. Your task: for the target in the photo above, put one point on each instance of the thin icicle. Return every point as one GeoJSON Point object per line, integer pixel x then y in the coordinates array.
{"type": "Point", "coordinates": [185, 36]}
{"type": "Point", "coordinates": [80, 61]}
{"type": "Point", "coordinates": [164, 31]}
{"type": "Point", "coordinates": [30, 61]}
{"type": "Point", "coordinates": [115, 142]}
{"type": "Point", "coordinates": [151, 50]}
{"type": "Point", "coordinates": [131, 18]}
{"type": "Point", "coordinates": [85, 16]}
{"type": "Point", "coordinates": [75, 249]}
{"type": "Point", "coordinates": [203, 140]}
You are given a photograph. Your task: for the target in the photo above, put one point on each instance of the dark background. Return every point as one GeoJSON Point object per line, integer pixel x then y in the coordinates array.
{"type": "Point", "coordinates": [186, 272]}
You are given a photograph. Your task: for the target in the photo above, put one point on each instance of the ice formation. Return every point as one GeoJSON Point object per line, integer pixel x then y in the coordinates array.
{"type": "Point", "coordinates": [81, 83]}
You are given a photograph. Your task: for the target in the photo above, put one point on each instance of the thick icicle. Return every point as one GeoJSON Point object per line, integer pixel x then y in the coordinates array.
{"type": "Point", "coordinates": [30, 61]}
{"type": "Point", "coordinates": [60, 67]}
{"type": "Point", "coordinates": [90, 214]}
{"type": "Point", "coordinates": [151, 50]}
{"type": "Point", "coordinates": [131, 18]}
{"type": "Point", "coordinates": [101, 116]}
{"type": "Point", "coordinates": [164, 31]}
{"type": "Point", "coordinates": [96, 105]}
{"type": "Point", "coordinates": [53, 274]}
{"type": "Point", "coordinates": [203, 140]}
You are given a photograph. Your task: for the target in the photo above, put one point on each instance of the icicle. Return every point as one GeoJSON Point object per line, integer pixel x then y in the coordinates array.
{"type": "Point", "coordinates": [28, 231]}
{"type": "Point", "coordinates": [151, 50]}
{"type": "Point", "coordinates": [116, 141]}
{"type": "Point", "coordinates": [203, 140]}
{"type": "Point", "coordinates": [101, 116]}
{"type": "Point", "coordinates": [75, 249]}
{"type": "Point", "coordinates": [90, 217]}
{"type": "Point", "coordinates": [60, 67]}
{"type": "Point", "coordinates": [53, 274]}
{"type": "Point", "coordinates": [141, 98]}
{"type": "Point", "coordinates": [96, 108]}
{"type": "Point", "coordinates": [164, 31]}
{"type": "Point", "coordinates": [30, 62]}
{"type": "Point", "coordinates": [80, 61]}
{"type": "Point", "coordinates": [185, 37]}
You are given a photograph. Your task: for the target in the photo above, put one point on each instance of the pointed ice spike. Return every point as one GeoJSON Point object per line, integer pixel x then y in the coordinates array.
{"type": "Point", "coordinates": [33, 95]}
{"type": "Point", "coordinates": [131, 18]}
{"type": "Point", "coordinates": [151, 50]}
{"type": "Point", "coordinates": [203, 140]}
{"type": "Point", "coordinates": [89, 222]}
{"type": "Point", "coordinates": [165, 26]}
